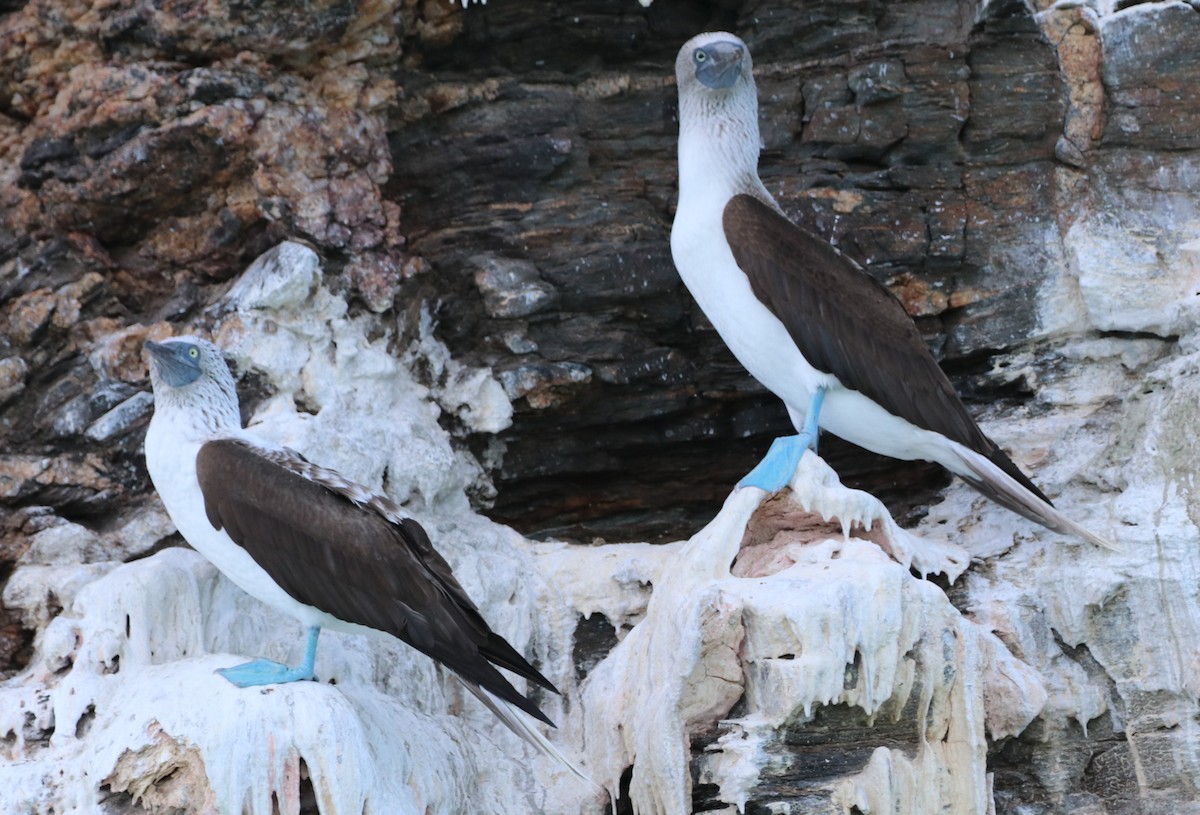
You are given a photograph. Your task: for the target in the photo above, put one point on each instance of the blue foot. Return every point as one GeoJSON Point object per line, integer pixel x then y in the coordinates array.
{"type": "Point", "coordinates": [267, 672]}
{"type": "Point", "coordinates": [264, 672]}
{"type": "Point", "coordinates": [779, 464]}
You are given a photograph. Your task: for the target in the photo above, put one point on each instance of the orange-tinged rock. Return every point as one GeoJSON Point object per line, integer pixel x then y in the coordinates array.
{"type": "Point", "coordinates": [918, 297]}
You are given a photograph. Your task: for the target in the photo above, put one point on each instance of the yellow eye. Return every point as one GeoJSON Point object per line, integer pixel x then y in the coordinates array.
{"type": "Point", "coordinates": [194, 353]}
{"type": "Point", "coordinates": [701, 56]}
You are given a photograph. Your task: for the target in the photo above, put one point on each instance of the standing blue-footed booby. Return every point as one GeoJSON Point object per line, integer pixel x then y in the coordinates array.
{"type": "Point", "coordinates": [310, 542]}
{"type": "Point", "coordinates": [805, 320]}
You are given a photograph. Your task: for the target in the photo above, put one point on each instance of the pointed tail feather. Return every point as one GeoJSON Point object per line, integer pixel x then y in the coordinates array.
{"type": "Point", "coordinates": [990, 479]}
{"type": "Point", "coordinates": [497, 650]}
{"type": "Point", "coordinates": [516, 723]}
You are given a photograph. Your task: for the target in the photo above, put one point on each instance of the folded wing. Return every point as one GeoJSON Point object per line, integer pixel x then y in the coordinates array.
{"type": "Point", "coordinates": [333, 545]}
{"type": "Point", "coordinates": [848, 324]}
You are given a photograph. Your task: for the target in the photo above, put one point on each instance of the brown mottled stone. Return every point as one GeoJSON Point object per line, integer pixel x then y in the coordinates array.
{"type": "Point", "coordinates": [13, 371]}
{"type": "Point", "coordinates": [1148, 71]}
{"type": "Point", "coordinates": [778, 527]}
{"type": "Point", "coordinates": [28, 315]}
{"type": "Point", "coordinates": [16, 641]}
{"type": "Point", "coordinates": [67, 480]}
{"type": "Point", "coordinates": [918, 297]}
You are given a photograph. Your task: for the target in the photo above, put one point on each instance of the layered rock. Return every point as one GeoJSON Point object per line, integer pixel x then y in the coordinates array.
{"type": "Point", "coordinates": [490, 191]}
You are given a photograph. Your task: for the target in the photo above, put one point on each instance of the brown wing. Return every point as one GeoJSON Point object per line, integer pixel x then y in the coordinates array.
{"type": "Point", "coordinates": [848, 324]}
{"type": "Point", "coordinates": [330, 551]}
{"type": "Point", "coordinates": [361, 496]}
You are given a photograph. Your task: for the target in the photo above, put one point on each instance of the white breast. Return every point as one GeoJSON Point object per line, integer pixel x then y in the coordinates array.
{"type": "Point", "coordinates": [171, 460]}
{"type": "Point", "coordinates": [764, 347]}
{"type": "Point", "coordinates": [755, 336]}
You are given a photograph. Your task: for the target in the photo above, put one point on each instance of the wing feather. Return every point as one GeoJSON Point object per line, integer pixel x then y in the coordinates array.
{"type": "Point", "coordinates": [308, 529]}
{"type": "Point", "coordinates": [848, 324]}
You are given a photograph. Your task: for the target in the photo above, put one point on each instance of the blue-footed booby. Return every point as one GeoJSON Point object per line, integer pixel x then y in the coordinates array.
{"type": "Point", "coordinates": [804, 319]}
{"type": "Point", "coordinates": [310, 542]}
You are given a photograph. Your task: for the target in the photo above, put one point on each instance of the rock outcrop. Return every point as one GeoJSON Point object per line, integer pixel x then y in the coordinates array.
{"type": "Point", "coordinates": [469, 302]}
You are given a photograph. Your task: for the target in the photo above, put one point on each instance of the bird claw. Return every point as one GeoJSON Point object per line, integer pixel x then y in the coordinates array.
{"type": "Point", "coordinates": [265, 672]}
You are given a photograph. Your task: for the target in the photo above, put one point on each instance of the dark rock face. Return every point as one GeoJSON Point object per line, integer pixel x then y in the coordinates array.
{"type": "Point", "coordinates": [919, 141]}
{"type": "Point", "coordinates": [532, 149]}
{"type": "Point", "coordinates": [1147, 73]}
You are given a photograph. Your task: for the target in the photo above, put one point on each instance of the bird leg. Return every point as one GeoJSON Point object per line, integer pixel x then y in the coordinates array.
{"type": "Point", "coordinates": [268, 672]}
{"type": "Point", "coordinates": [779, 464]}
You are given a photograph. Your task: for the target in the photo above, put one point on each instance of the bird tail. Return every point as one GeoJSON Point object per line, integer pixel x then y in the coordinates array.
{"type": "Point", "coordinates": [991, 479]}
{"type": "Point", "coordinates": [515, 722]}
{"type": "Point", "coordinates": [498, 651]}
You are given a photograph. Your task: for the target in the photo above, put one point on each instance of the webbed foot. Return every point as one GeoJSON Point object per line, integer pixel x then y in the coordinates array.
{"type": "Point", "coordinates": [268, 672]}
{"type": "Point", "coordinates": [779, 464]}
{"type": "Point", "coordinates": [265, 672]}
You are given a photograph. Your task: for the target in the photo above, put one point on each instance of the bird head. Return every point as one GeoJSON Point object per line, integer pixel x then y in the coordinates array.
{"type": "Point", "coordinates": [715, 64]}
{"type": "Point", "coordinates": [718, 117]}
{"type": "Point", "coordinates": [185, 370]}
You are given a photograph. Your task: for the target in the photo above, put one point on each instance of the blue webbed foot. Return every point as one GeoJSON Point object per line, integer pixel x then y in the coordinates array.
{"type": "Point", "coordinates": [267, 672]}
{"type": "Point", "coordinates": [264, 672]}
{"type": "Point", "coordinates": [779, 464]}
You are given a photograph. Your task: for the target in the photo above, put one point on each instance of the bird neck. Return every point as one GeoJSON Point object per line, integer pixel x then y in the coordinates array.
{"type": "Point", "coordinates": [718, 146]}
{"type": "Point", "coordinates": [196, 420]}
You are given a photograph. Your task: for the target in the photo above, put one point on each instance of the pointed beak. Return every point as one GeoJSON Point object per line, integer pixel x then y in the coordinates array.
{"type": "Point", "coordinates": [723, 65]}
{"type": "Point", "coordinates": [174, 366]}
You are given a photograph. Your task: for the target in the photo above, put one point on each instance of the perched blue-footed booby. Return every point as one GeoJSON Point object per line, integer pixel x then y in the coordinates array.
{"type": "Point", "coordinates": [310, 542]}
{"type": "Point", "coordinates": [805, 320]}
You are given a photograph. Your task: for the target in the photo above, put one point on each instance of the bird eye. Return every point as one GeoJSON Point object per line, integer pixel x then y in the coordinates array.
{"type": "Point", "coordinates": [700, 55]}
{"type": "Point", "coordinates": [194, 353]}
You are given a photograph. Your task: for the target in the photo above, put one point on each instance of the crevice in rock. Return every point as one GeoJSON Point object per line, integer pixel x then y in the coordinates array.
{"type": "Point", "coordinates": [1082, 655]}
{"type": "Point", "coordinates": [35, 737]}
{"type": "Point", "coordinates": [119, 803]}
{"type": "Point", "coordinates": [1171, 339]}
{"type": "Point", "coordinates": [624, 804]}
{"type": "Point", "coordinates": [16, 641]}
{"type": "Point", "coordinates": [308, 795]}
{"type": "Point", "coordinates": [594, 638]}
{"type": "Point", "coordinates": [174, 539]}
{"type": "Point", "coordinates": [84, 724]}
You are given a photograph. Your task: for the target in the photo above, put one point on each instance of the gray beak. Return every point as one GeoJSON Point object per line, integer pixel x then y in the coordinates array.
{"type": "Point", "coordinates": [175, 367]}
{"type": "Point", "coordinates": [719, 65]}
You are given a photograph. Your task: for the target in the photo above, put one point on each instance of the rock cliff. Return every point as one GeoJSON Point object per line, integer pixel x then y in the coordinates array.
{"type": "Point", "coordinates": [464, 296]}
